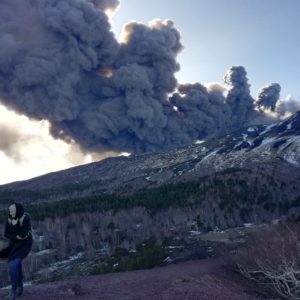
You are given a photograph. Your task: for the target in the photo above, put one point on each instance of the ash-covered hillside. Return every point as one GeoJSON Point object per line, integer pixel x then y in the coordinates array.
{"type": "Point", "coordinates": [274, 148]}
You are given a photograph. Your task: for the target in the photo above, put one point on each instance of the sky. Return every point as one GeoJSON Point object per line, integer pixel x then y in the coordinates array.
{"type": "Point", "coordinates": [263, 36]}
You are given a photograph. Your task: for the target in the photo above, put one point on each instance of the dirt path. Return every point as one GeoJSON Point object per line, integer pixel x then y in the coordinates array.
{"type": "Point", "coordinates": [193, 280]}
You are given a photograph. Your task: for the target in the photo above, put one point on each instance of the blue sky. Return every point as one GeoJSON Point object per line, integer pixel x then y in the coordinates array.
{"type": "Point", "coordinates": [261, 35]}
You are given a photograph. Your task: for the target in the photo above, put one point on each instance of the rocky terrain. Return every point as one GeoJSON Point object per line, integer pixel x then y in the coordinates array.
{"type": "Point", "coordinates": [193, 280]}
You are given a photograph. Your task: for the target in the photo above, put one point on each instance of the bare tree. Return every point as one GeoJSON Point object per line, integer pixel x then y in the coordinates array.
{"type": "Point", "coordinates": [271, 256]}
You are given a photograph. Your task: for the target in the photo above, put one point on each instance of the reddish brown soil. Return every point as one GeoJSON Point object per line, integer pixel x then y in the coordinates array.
{"type": "Point", "coordinates": [193, 280]}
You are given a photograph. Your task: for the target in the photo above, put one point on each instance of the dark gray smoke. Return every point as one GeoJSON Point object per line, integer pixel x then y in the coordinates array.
{"type": "Point", "coordinates": [63, 42]}
{"type": "Point", "coordinates": [60, 61]}
{"type": "Point", "coordinates": [128, 107]}
{"type": "Point", "coordinates": [268, 96]}
{"type": "Point", "coordinates": [203, 111]}
{"type": "Point", "coordinates": [239, 98]}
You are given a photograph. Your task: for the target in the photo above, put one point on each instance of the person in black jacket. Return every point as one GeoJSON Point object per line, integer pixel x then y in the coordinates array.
{"type": "Point", "coordinates": [18, 231]}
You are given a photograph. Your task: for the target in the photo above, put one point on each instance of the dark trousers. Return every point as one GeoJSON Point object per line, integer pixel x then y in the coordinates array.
{"type": "Point", "coordinates": [16, 273]}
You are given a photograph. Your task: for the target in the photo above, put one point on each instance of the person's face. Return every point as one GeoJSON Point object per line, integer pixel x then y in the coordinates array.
{"type": "Point", "coordinates": [12, 211]}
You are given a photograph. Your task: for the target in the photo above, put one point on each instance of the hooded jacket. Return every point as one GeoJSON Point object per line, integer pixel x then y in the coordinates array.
{"type": "Point", "coordinates": [19, 235]}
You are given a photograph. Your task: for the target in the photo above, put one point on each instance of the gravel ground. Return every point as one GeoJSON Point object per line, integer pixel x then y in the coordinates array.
{"type": "Point", "coordinates": [192, 280]}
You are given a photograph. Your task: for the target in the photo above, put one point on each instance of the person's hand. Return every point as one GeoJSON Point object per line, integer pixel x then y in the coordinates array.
{"type": "Point", "coordinates": [14, 221]}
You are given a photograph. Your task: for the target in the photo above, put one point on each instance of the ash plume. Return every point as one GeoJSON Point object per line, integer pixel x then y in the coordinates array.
{"type": "Point", "coordinates": [60, 61]}
{"type": "Point", "coordinates": [239, 98]}
{"type": "Point", "coordinates": [203, 110]}
{"type": "Point", "coordinates": [268, 96]}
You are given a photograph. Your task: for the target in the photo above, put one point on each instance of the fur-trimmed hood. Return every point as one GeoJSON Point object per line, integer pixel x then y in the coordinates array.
{"type": "Point", "coordinates": [19, 210]}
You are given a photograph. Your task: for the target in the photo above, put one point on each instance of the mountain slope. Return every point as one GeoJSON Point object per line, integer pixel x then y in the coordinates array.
{"type": "Point", "coordinates": [276, 144]}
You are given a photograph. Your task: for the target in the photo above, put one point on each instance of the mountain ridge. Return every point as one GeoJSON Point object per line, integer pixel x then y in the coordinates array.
{"type": "Point", "coordinates": [255, 144]}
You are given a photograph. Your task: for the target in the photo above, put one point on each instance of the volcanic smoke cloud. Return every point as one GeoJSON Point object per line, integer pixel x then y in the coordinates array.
{"type": "Point", "coordinates": [60, 61]}
{"type": "Point", "coordinates": [268, 96]}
